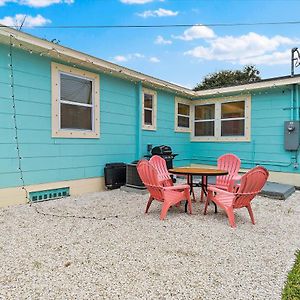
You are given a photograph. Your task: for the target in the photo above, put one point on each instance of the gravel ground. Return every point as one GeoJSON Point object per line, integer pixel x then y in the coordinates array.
{"type": "Point", "coordinates": [137, 256]}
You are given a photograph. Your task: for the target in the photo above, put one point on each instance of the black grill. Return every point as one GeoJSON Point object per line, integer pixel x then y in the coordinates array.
{"type": "Point", "coordinates": [165, 152]}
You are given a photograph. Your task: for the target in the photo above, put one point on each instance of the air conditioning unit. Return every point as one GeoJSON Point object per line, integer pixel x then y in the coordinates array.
{"type": "Point", "coordinates": [132, 176]}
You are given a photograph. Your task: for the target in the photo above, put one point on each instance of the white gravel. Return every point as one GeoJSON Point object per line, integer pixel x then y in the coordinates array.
{"type": "Point", "coordinates": [137, 256]}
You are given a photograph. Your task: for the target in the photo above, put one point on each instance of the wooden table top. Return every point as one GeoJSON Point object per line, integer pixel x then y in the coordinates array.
{"type": "Point", "coordinates": [198, 171]}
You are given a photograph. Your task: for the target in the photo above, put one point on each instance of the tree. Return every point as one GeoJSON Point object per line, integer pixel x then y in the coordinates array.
{"type": "Point", "coordinates": [229, 77]}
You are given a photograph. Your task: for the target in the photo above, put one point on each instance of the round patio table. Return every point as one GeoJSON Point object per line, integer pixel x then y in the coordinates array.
{"type": "Point", "coordinates": [204, 173]}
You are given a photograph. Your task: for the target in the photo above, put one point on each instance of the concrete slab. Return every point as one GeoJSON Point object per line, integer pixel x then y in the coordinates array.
{"type": "Point", "coordinates": [129, 189]}
{"type": "Point", "coordinates": [277, 190]}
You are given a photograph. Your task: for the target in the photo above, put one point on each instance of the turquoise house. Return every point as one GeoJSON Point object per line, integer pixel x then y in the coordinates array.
{"type": "Point", "coordinates": [65, 114]}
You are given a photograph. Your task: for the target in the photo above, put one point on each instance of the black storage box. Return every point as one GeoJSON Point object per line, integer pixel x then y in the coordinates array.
{"type": "Point", "coordinates": [115, 175]}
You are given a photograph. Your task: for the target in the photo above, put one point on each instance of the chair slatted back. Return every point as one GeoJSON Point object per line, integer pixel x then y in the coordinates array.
{"type": "Point", "coordinates": [161, 166]}
{"type": "Point", "coordinates": [149, 176]}
{"type": "Point", "coordinates": [251, 184]}
{"type": "Point", "coordinates": [230, 163]}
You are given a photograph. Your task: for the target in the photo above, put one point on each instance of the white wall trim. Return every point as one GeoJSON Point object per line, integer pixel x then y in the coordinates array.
{"type": "Point", "coordinates": [276, 82]}
{"type": "Point", "coordinates": [16, 195]}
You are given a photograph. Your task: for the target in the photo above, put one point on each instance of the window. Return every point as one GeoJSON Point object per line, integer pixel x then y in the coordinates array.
{"type": "Point", "coordinates": [233, 118]}
{"type": "Point", "coordinates": [182, 115]}
{"type": "Point", "coordinates": [75, 103]}
{"type": "Point", "coordinates": [149, 109]}
{"type": "Point", "coordinates": [205, 120]}
{"type": "Point", "coordinates": [226, 119]}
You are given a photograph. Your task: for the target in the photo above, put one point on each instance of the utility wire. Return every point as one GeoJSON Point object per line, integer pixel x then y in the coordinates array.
{"type": "Point", "coordinates": [45, 214]}
{"type": "Point", "coordinates": [159, 25]}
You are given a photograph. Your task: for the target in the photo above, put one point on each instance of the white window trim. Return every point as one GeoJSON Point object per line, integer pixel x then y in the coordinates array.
{"type": "Point", "coordinates": [186, 102]}
{"type": "Point", "coordinates": [56, 70]}
{"type": "Point", "coordinates": [154, 110]}
{"type": "Point", "coordinates": [217, 137]}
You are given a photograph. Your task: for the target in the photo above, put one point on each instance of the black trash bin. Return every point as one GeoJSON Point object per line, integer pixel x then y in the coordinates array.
{"type": "Point", "coordinates": [115, 175]}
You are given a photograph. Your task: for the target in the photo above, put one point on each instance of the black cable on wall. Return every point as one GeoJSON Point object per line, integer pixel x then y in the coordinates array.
{"type": "Point", "coordinates": [13, 98]}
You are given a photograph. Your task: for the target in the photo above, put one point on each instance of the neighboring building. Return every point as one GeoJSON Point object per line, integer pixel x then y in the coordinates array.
{"type": "Point", "coordinates": [74, 113]}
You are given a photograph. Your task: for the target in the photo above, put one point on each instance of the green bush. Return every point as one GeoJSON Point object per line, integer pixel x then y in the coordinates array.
{"type": "Point", "coordinates": [291, 290]}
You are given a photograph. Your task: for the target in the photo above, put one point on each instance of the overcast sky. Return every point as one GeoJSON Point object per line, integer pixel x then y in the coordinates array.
{"type": "Point", "coordinates": [179, 55]}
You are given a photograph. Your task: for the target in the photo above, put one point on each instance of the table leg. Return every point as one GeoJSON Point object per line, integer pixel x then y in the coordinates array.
{"type": "Point", "coordinates": [204, 184]}
{"type": "Point", "coordinates": [202, 188]}
{"type": "Point", "coordinates": [190, 183]}
{"type": "Point", "coordinates": [192, 188]}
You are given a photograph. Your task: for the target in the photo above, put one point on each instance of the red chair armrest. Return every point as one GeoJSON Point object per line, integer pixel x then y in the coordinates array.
{"type": "Point", "coordinates": [177, 187]}
{"type": "Point", "coordinates": [219, 191]}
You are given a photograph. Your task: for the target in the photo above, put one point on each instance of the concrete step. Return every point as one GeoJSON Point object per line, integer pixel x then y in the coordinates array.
{"type": "Point", "coordinates": [276, 190]}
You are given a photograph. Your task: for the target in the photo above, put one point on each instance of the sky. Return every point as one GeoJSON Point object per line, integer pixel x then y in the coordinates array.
{"type": "Point", "coordinates": [182, 55]}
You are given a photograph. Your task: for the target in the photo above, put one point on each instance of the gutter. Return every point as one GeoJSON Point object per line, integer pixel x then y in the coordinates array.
{"type": "Point", "coordinates": [26, 41]}
{"type": "Point", "coordinates": [275, 83]}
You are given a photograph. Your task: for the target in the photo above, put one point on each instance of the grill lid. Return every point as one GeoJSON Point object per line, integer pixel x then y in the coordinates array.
{"type": "Point", "coordinates": [161, 150]}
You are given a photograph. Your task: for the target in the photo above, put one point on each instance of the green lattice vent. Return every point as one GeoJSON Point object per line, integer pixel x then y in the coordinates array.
{"type": "Point", "coordinates": [49, 194]}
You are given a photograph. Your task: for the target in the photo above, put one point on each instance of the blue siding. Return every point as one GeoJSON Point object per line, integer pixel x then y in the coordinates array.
{"type": "Point", "coordinates": [165, 135]}
{"type": "Point", "coordinates": [47, 159]}
{"type": "Point", "coordinates": [268, 113]}
{"type": "Point", "coordinates": [8, 162]}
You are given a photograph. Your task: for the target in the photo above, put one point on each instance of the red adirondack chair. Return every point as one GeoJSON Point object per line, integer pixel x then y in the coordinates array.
{"type": "Point", "coordinates": [168, 195]}
{"type": "Point", "coordinates": [251, 184]}
{"type": "Point", "coordinates": [231, 163]}
{"type": "Point", "coordinates": [161, 167]}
